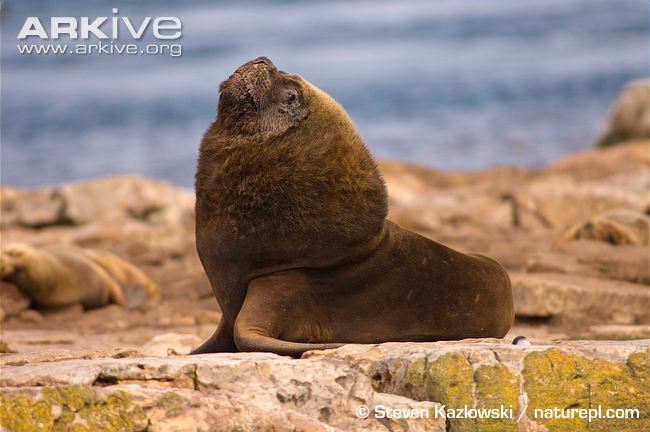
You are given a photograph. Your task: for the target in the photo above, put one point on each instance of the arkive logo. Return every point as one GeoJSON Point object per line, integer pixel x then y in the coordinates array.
{"type": "Point", "coordinates": [83, 28]}
{"type": "Point", "coordinates": [109, 32]}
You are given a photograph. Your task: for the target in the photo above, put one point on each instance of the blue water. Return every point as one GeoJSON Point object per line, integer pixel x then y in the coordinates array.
{"type": "Point", "coordinates": [453, 84]}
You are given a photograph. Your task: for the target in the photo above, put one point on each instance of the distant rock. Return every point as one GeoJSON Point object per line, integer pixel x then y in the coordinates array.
{"type": "Point", "coordinates": [12, 300]}
{"type": "Point", "coordinates": [575, 301]}
{"type": "Point", "coordinates": [555, 197]}
{"type": "Point", "coordinates": [132, 197]}
{"type": "Point", "coordinates": [57, 355]}
{"type": "Point", "coordinates": [171, 344]}
{"type": "Point", "coordinates": [31, 315]}
{"type": "Point", "coordinates": [619, 165]}
{"type": "Point", "coordinates": [4, 348]}
{"type": "Point", "coordinates": [560, 202]}
{"type": "Point", "coordinates": [594, 259]}
{"type": "Point", "coordinates": [618, 332]}
{"type": "Point", "coordinates": [629, 117]}
{"type": "Point", "coordinates": [116, 198]}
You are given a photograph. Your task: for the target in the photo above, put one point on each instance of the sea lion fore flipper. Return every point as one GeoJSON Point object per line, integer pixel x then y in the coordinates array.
{"type": "Point", "coordinates": [114, 290]}
{"type": "Point", "coordinates": [261, 320]}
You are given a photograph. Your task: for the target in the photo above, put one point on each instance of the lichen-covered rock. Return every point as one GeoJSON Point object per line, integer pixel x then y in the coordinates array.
{"type": "Point", "coordinates": [62, 407]}
{"type": "Point", "coordinates": [485, 374]}
{"type": "Point", "coordinates": [211, 392]}
{"type": "Point", "coordinates": [395, 386]}
{"type": "Point", "coordinates": [557, 379]}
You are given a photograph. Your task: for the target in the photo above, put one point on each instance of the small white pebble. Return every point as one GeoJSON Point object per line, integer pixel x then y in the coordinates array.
{"type": "Point", "coordinates": [521, 341]}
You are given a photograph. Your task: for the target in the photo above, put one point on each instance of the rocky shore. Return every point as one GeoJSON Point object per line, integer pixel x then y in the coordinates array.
{"type": "Point", "coordinates": [573, 236]}
{"type": "Point", "coordinates": [348, 389]}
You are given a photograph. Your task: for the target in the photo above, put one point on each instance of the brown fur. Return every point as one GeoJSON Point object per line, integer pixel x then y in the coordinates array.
{"type": "Point", "coordinates": [56, 277]}
{"type": "Point", "coordinates": [289, 200]}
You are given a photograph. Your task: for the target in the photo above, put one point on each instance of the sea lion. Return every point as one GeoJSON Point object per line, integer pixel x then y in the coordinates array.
{"type": "Point", "coordinates": [618, 227]}
{"type": "Point", "coordinates": [60, 276]}
{"type": "Point", "coordinates": [291, 229]}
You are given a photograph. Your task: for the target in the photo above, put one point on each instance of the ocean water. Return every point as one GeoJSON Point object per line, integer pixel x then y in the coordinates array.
{"type": "Point", "coordinates": [452, 84]}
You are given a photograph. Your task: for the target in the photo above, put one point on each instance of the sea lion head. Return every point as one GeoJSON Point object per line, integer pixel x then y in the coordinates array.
{"type": "Point", "coordinates": [12, 259]}
{"type": "Point", "coordinates": [260, 101]}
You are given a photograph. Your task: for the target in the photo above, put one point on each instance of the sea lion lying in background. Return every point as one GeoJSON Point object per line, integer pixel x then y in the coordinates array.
{"type": "Point", "coordinates": [291, 229]}
{"type": "Point", "coordinates": [54, 277]}
{"type": "Point", "coordinates": [618, 227]}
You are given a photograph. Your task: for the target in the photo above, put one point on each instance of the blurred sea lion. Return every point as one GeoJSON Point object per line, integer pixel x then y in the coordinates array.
{"type": "Point", "coordinates": [618, 227]}
{"type": "Point", "coordinates": [59, 276]}
{"type": "Point", "coordinates": [291, 229]}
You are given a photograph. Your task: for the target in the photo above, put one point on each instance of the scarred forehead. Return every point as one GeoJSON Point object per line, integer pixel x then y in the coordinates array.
{"type": "Point", "coordinates": [256, 77]}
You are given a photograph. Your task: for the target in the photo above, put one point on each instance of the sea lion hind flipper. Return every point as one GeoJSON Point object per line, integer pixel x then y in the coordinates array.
{"type": "Point", "coordinates": [136, 289]}
{"type": "Point", "coordinates": [115, 292]}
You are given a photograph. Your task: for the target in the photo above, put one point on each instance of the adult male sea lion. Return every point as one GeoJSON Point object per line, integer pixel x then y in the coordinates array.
{"type": "Point", "coordinates": [291, 229]}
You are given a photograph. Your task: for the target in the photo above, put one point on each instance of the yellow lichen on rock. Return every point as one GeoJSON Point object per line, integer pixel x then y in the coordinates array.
{"type": "Point", "coordinates": [449, 381]}
{"type": "Point", "coordinates": [497, 386]}
{"type": "Point", "coordinates": [557, 379]}
{"type": "Point", "coordinates": [22, 413]}
{"type": "Point", "coordinates": [70, 408]}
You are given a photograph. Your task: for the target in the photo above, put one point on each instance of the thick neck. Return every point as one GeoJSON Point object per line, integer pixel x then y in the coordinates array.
{"type": "Point", "coordinates": [316, 186]}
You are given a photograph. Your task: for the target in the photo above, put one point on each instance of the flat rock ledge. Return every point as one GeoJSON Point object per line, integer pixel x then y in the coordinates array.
{"type": "Point", "coordinates": [329, 390]}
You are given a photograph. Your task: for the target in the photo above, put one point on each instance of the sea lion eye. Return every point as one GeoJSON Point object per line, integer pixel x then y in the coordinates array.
{"type": "Point", "coordinates": [291, 97]}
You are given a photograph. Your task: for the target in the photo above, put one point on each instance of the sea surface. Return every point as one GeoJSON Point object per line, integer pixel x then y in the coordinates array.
{"type": "Point", "coordinates": [452, 84]}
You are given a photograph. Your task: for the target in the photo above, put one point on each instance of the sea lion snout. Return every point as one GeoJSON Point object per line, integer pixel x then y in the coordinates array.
{"type": "Point", "coordinates": [262, 60]}
{"type": "Point", "coordinates": [245, 92]}
{"type": "Point", "coordinates": [252, 79]}
{"type": "Point", "coordinates": [11, 258]}
{"type": "Point", "coordinates": [252, 70]}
